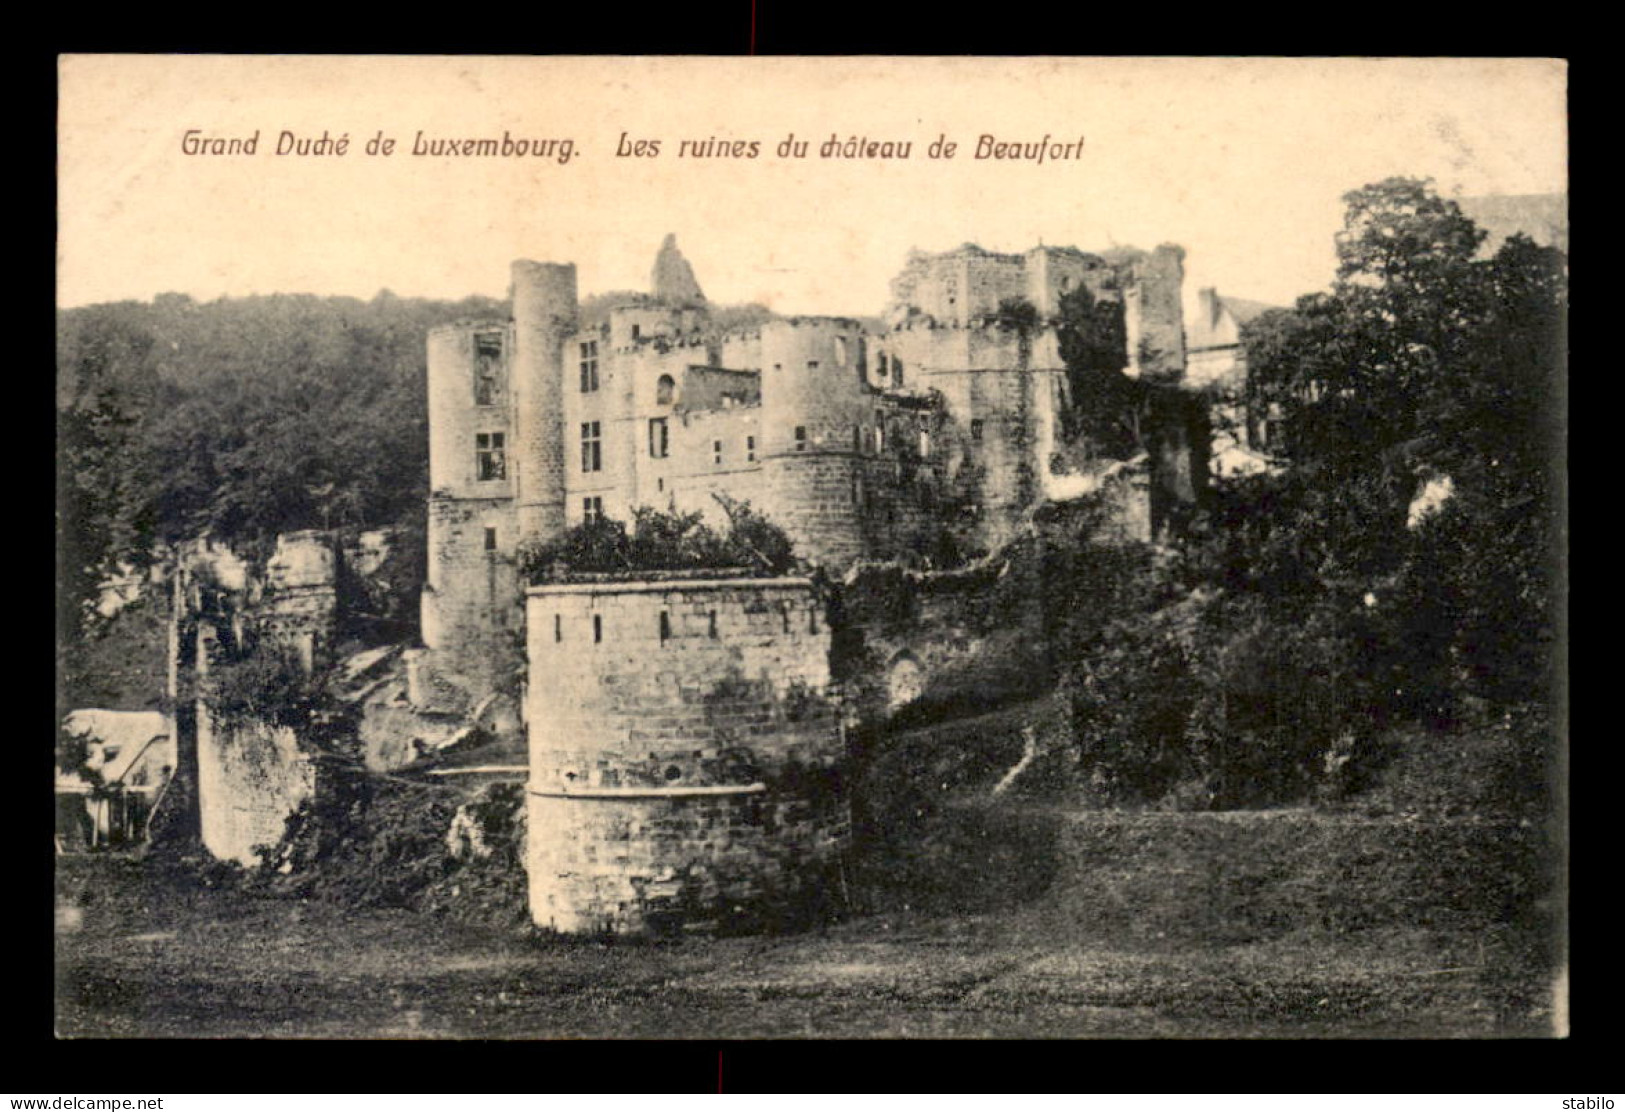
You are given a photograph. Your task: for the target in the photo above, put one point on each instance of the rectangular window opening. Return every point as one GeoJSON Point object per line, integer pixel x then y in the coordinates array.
{"type": "Point", "coordinates": [750, 449]}
{"type": "Point", "coordinates": [558, 627]}
{"type": "Point", "coordinates": [659, 438]}
{"type": "Point", "coordinates": [597, 629]}
{"type": "Point", "coordinates": [713, 625]}
{"type": "Point", "coordinates": [716, 451]}
{"type": "Point", "coordinates": [488, 382]}
{"type": "Point", "coordinates": [801, 438]}
{"type": "Point", "coordinates": [490, 457]}
{"type": "Point", "coordinates": [589, 367]}
{"type": "Point", "coordinates": [592, 455]}
{"type": "Point", "coordinates": [665, 627]}
{"type": "Point", "coordinates": [490, 539]}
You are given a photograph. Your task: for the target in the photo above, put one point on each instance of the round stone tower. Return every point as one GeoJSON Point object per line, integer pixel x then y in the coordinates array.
{"type": "Point", "coordinates": [687, 762]}
{"type": "Point", "coordinates": [815, 406]}
{"type": "Point", "coordinates": [544, 319]}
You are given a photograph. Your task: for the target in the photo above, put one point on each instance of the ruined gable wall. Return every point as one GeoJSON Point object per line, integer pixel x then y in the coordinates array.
{"type": "Point", "coordinates": [299, 607]}
{"type": "Point", "coordinates": [1155, 313]}
{"type": "Point", "coordinates": [252, 773]}
{"type": "Point", "coordinates": [456, 418]}
{"type": "Point", "coordinates": [252, 776]}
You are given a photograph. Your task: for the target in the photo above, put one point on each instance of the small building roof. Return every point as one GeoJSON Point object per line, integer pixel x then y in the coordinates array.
{"type": "Point", "coordinates": [1244, 310]}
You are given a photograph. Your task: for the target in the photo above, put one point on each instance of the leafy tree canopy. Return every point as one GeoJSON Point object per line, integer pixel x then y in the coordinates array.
{"type": "Point", "coordinates": [241, 418]}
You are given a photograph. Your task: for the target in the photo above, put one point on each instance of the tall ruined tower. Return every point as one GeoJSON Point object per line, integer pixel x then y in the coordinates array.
{"type": "Point", "coordinates": [544, 318]}
{"type": "Point", "coordinates": [470, 598]}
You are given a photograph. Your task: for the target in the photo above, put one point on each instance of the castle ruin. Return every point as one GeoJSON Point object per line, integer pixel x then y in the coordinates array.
{"type": "Point", "coordinates": [935, 429]}
{"type": "Point", "coordinates": [685, 736]}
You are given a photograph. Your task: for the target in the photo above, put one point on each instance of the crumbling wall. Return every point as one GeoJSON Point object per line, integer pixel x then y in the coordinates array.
{"type": "Point", "coordinates": [252, 775]}
{"type": "Point", "coordinates": [1155, 315]}
{"type": "Point", "coordinates": [686, 754]}
{"type": "Point", "coordinates": [252, 770]}
{"type": "Point", "coordinates": [943, 642]}
{"type": "Point", "coordinates": [298, 608]}
{"type": "Point", "coordinates": [471, 604]}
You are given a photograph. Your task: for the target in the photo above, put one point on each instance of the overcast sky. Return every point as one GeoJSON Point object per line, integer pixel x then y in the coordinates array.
{"type": "Point", "coordinates": [1243, 162]}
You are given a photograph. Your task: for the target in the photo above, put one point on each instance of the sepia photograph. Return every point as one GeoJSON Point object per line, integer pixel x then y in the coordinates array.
{"type": "Point", "coordinates": [674, 548]}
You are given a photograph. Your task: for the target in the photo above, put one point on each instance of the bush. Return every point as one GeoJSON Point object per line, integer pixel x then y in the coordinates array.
{"type": "Point", "coordinates": [269, 684]}
{"type": "Point", "coordinates": [1223, 700]}
{"type": "Point", "coordinates": [662, 542]}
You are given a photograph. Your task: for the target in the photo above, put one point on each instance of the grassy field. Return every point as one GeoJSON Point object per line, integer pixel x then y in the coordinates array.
{"type": "Point", "coordinates": [1408, 914]}
{"type": "Point", "coordinates": [222, 964]}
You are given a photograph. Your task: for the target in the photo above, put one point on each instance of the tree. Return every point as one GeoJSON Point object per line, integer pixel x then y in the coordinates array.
{"type": "Point", "coordinates": [662, 542]}
{"type": "Point", "coordinates": [1423, 362]}
{"type": "Point", "coordinates": [1319, 605]}
{"type": "Point", "coordinates": [1401, 237]}
{"type": "Point", "coordinates": [104, 392]}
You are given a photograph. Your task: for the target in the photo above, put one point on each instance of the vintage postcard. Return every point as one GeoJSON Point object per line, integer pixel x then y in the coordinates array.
{"type": "Point", "coordinates": [853, 547]}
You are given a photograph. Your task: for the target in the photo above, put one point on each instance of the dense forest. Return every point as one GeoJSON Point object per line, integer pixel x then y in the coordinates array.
{"type": "Point", "coordinates": [242, 418]}
{"type": "Point", "coordinates": [239, 418]}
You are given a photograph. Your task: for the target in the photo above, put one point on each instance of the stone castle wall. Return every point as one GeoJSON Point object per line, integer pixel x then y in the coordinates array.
{"type": "Point", "coordinates": [461, 407]}
{"type": "Point", "coordinates": [686, 753]}
{"type": "Point", "coordinates": [959, 639]}
{"type": "Point", "coordinates": [714, 451]}
{"type": "Point", "coordinates": [472, 606]}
